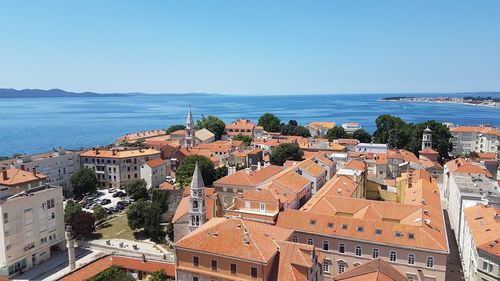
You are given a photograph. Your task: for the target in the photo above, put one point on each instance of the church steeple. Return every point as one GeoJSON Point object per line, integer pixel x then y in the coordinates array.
{"type": "Point", "coordinates": [197, 208]}
{"type": "Point", "coordinates": [190, 131]}
{"type": "Point", "coordinates": [427, 138]}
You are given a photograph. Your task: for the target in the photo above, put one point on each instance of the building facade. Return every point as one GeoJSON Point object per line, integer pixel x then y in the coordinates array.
{"type": "Point", "coordinates": [480, 139]}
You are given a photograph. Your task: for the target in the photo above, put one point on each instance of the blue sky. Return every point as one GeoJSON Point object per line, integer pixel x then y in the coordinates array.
{"type": "Point", "coordinates": [251, 47]}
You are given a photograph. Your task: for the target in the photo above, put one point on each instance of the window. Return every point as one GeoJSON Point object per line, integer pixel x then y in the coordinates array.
{"type": "Point", "coordinates": [398, 234]}
{"type": "Point", "coordinates": [325, 245]}
{"type": "Point", "coordinates": [196, 261]}
{"type": "Point", "coordinates": [487, 266]}
{"type": "Point", "coordinates": [313, 222]}
{"type": "Point", "coordinates": [358, 251]}
{"type": "Point", "coordinates": [50, 204]}
{"type": "Point", "coordinates": [295, 239]}
{"type": "Point", "coordinates": [214, 265]}
{"type": "Point", "coordinates": [262, 207]}
{"type": "Point", "coordinates": [253, 272]}
{"type": "Point", "coordinates": [411, 235]}
{"type": "Point", "coordinates": [5, 217]}
{"type": "Point", "coordinates": [326, 266]}
{"type": "Point", "coordinates": [411, 259]}
{"type": "Point", "coordinates": [341, 248]}
{"type": "Point", "coordinates": [233, 268]}
{"type": "Point", "coordinates": [309, 241]}
{"type": "Point", "coordinates": [375, 253]}
{"type": "Point", "coordinates": [344, 226]}
{"type": "Point", "coordinates": [393, 256]}
{"type": "Point", "coordinates": [341, 268]}
{"type": "Point", "coordinates": [360, 229]}
{"type": "Point", "coordinates": [430, 262]}
{"type": "Point", "coordinates": [195, 278]}
{"type": "Point", "coordinates": [330, 225]}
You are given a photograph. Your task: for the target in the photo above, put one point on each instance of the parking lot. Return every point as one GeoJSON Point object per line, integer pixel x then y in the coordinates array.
{"type": "Point", "coordinates": [105, 199]}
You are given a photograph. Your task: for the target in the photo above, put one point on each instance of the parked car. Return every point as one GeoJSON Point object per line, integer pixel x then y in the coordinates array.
{"type": "Point", "coordinates": [119, 207]}
{"type": "Point", "coordinates": [105, 201]}
{"type": "Point", "coordinates": [111, 190]}
{"type": "Point", "coordinates": [123, 202]}
{"type": "Point", "coordinates": [98, 201]}
{"type": "Point", "coordinates": [89, 206]}
{"type": "Point", "coordinates": [119, 194]}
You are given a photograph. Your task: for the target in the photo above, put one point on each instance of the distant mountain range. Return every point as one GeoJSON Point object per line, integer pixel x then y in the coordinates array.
{"type": "Point", "coordinates": [57, 93]}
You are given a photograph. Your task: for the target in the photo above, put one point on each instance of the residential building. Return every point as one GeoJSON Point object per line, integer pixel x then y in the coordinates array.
{"type": "Point", "coordinates": [480, 139]}
{"type": "Point", "coordinates": [154, 172]}
{"type": "Point", "coordinates": [140, 269]}
{"type": "Point", "coordinates": [16, 180]}
{"type": "Point", "coordinates": [115, 168]}
{"type": "Point", "coordinates": [231, 185]}
{"type": "Point", "coordinates": [237, 249]}
{"type": "Point", "coordinates": [58, 165]}
{"type": "Point", "coordinates": [480, 247]}
{"type": "Point", "coordinates": [375, 270]}
{"type": "Point", "coordinates": [319, 129]}
{"type": "Point", "coordinates": [372, 147]}
{"type": "Point", "coordinates": [243, 127]}
{"type": "Point", "coordinates": [132, 138]}
{"type": "Point", "coordinates": [351, 127]}
{"type": "Point", "coordinates": [32, 227]}
{"type": "Point", "coordinates": [350, 144]}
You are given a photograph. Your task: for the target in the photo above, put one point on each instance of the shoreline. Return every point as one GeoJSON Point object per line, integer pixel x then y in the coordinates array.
{"type": "Point", "coordinates": [441, 102]}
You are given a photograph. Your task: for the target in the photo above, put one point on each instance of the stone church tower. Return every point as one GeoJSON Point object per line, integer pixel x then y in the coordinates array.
{"type": "Point", "coordinates": [197, 208]}
{"type": "Point", "coordinates": [427, 138]}
{"type": "Point", "coordinates": [189, 138]}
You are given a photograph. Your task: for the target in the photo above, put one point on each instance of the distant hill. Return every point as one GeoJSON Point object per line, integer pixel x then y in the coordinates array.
{"type": "Point", "coordinates": [52, 93]}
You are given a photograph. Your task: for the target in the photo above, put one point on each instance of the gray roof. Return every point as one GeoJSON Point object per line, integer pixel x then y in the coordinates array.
{"type": "Point", "coordinates": [476, 185]}
{"type": "Point", "coordinates": [197, 180]}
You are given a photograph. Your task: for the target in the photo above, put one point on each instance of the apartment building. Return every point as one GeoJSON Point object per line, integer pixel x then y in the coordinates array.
{"type": "Point", "coordinates": [58, 165]}
{"type": "Point", "coordinates": [319, 129]}
{"type": "Point", "coordinates": [115, 168]}
{"type": "Point", "coordinates": [16, 180]}
{"type": "Point", "coordinates": [480, 139]}
{"type": "Point", "coordinates": [237, 249]}
{"type": "Point", "coordinates": [480, 248]}
{"type": "Point", "coordinates": [154, 172]}
{"type": "Point", "coordinates": [32, 224]}
{"type": "Point", "coordinates": [243, 127]}
{"type": "Point", "coordinates": [410, 235]}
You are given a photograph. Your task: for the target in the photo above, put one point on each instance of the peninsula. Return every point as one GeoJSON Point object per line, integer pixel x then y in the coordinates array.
{"type": "Point", "coordinates": [468, 100]}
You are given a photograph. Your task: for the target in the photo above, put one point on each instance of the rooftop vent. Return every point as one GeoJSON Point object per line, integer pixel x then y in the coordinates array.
{"type": "Point", "coordinates": [427, 221]}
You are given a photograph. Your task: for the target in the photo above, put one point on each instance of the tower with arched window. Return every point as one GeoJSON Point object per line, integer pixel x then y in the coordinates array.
{"type": "Point", "coordinates": [427, 138]}
{"type": "Point", "coordinates": [189, 137]}
{"type": "Point", "coordinates": [197, 208]}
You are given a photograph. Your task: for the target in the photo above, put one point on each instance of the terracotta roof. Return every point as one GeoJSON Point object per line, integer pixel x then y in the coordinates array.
{"type": "Point", "coordinates": [219, 146]}
{"type": "Point", "coordinates": [161, 143]}
{"type": "Point", "coordinates": [310, 167]}
{"type": "Point", "coordinates": [357, 165]}
{"type": "Point", "coordinates": [476, 129]}
{"type": "Point", "coordinates": [230, 239]}
{"type": "Point", "coordinates": [104, 153]}
{"type": "Point", "coordinates": [294, 261]}
{"type": "Point", "coordinates": [156, 162]}
{"type": "Point", "coordinates": [409, 156]}
{"type": "Point", "coordinates": [428, 151]}
{"type": "Point", "coordinates": [375, 270]}
{"type": "Point", "coordinates": [179, 132]}
{"type": "Point", "coordinates": [463, 166]}
{"type": "Point", "coordinates": [328, 125]}
{"type": "Point", "coordinates": [166, 185]}
{"type": "Point", "coordinates": [183, 208]}
{"type": "Point", "coordinates": [242, 124]}
{"type": "Point", "coordinates": [142, 135]}
{"type": "Point", "coordinates": [291, 181]}
{"type": "Point", "coordinates": [101, 264]}
{"type": "Point", "coordinates": [260, 195]}
{"type": "Point", "coordinates": [249, 179]}
{"type": "Point", "coordinates": [348, 141]}
{"type": "Point", "coordinates": [336, 186]}
{"type": "Point", "coordinates": [17, 176]}
{"type": "Point", "coordinates": [203, 134]}
{"type": "Point", "coordinates": [484, 225]}
{"type": "Point", "coordinates": [491, 155]}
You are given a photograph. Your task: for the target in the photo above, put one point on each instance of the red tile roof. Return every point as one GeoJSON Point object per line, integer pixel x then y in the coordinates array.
{"type": "Point", "coordinates": [375, 270]}
{"type": "Point", "coordinates": [17, 176]}
{"type": "Point", "coordinates": [155, 162]}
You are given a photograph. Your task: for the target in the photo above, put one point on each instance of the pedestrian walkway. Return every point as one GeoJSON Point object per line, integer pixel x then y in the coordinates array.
{"type": "Point", "coordinates": [57, 265]}
{"type": "Point", "coordinates": [130, 248]}
{"type": "Point", "coordinates": [454, 263]}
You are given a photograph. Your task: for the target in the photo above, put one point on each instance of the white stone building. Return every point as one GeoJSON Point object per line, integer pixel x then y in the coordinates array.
{"type": "Point", "coordinates": [154, 172]}
{"type": "Point", "coordinates": [480, 139]}
{"type": "Point", "coordinates": [32, 222]}
{"type": "Point", "coordinates": [372, 147]}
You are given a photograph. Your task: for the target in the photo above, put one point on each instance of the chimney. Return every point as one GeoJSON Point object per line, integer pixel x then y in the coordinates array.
{"type": "Point", "coordinates": [114, 151]}
{"type": "Point", "coordinates": [97, 150]}
{"type": "Point", "coordinates": [34, 170]}
{"type": "Point", "coordinates": [258, 166]}
{"type": "Point", "coordinates": [246, 236]}
{"type": "Point", "coordinates": [4, 173]}
{"type": "Point", "coordinates": [23, 168]}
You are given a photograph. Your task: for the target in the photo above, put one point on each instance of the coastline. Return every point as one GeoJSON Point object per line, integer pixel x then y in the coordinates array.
{"type": "Point", "coordinates": [437, 101]}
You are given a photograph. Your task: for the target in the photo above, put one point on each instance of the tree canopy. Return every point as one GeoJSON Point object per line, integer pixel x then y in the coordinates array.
{"type": "Point", "coordinates": [113, 273]}
{"type": "Point", "coordinates": [135, 214]}
{"type": "Point", "coordinates": [152, 219]}
{"type": "Point", "coordinates": [82, 182]}
{"type": "Point", "coordinates": [361, 135]}
{"type": "Point", "coordinates": [186, 169]}
{"type": "Point", "coordinates": [336, 133]}
{"type": "Point", "coordinates": [293, 129]}
{"type": "Point", "coordinates": [159, 275]}
{"type": "Point", "coordinates": [247, 140]}
{"type": "Point", "coordinates": [174, 128]}
{"type": "Point", "coordinates": [270, 122]}
{"type": "Point", "coordinates": [82, 223]}
{"type": "Point", "coordinates": [137, 189]}
{"type": "Point", "coordinates": [213, 124]}
{"type": "Point", "coordinates": [284, 152]}
{"type": "Point", "coordinates": [99, 213]}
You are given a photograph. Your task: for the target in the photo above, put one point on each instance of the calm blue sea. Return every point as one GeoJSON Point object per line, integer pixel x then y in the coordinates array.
{"type": "Point", "coordinates": [40, 124]}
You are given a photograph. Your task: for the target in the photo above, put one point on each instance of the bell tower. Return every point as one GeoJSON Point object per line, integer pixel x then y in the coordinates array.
{"type": "Point", "coordinates": [197, 208]}
{"type": "Point", "coordinates": [190, 131]}
{"type": "Point", "coordinates": [427, 138]}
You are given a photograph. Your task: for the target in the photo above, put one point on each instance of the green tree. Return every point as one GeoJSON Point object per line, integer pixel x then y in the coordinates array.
{"type": "Point", "coordinates": [220, 172]}
{"type": "Point", "coordinates": [71, 209]}
{"type": "Point", "coordinates": [137, 189]}
{"type": "Point", "coordinates": [152, 219]}
{"type": "Point", "coordinates": [186, 168]}
{"type": "Point", "coordinates": [391, 130]}
{"type": "Point", "coordinates": [159, 275]}
{"type": "Point", "coordinates": [174, 128]}
{"type": "Point", "coordinates": [135, 214]}
{"type": "Point", "coordinates": [284, 152]}
{"type": "Point", "coordinates": [113, 273]}
{"type": "Point", "coordinates": [293, 129]}
{"type": "Point", "coordinates": [247, 140]}
{"type": "Point", "coordinates": [336, 133]}
{"type": "Point", "coordinates": [302, 132]}
{"type": "Point", "coordinates": [270, 122]}
{"type": "Point", "coordinates": [160, 197]}
{"type": "Point", "coordinates": [82, 182]}
{"type": "Point", "coordinates": [82, 224]}
{"type": "Point", "coordinates": [213, 124]}
{"type": "Point", "coordinates": [362, 136]}
{"type": "Point", "coordinates": [440, 138]}
{"type": "Point", "coordinates": [99, 213]}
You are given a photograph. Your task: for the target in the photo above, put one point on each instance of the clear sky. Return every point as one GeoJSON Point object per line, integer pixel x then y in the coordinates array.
{"type": "Point", "coordinates": [251, 47]}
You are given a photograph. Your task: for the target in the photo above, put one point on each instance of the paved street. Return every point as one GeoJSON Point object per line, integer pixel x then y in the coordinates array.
{"type": "Point", "coordinates": [454, 265]}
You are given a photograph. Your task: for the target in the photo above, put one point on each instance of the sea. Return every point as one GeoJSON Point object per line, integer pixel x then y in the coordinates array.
{"type": "Point", "coordinates": [33, 125]}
